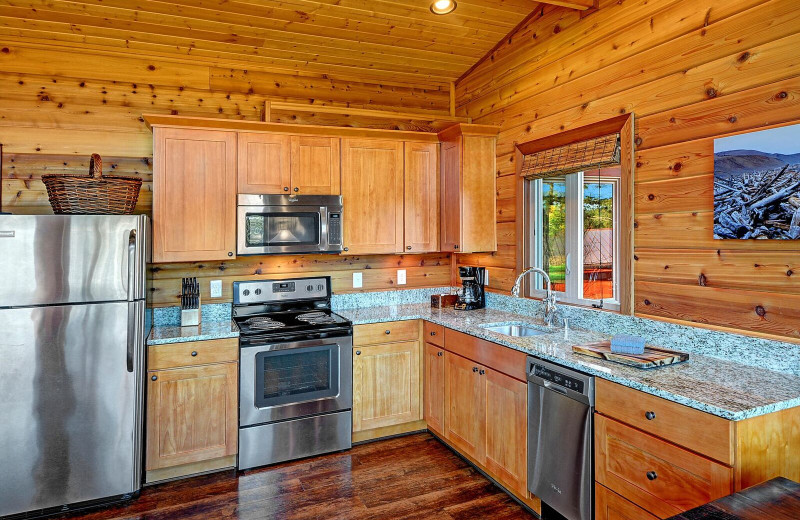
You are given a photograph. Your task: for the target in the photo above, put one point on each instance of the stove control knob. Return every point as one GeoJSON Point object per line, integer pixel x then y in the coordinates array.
{"type": "Point", "coordinates": [246, 292]}
{"type": "Point", "coordinates": [258, 291]}
{"type": "Point", "coordinates": [319, 287]}
{"type": "Point", "coordinates": [310, 288]}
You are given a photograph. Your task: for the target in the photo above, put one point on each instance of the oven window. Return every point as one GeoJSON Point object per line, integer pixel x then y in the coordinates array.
{"type": "Point", "coordinates": [281, 229]}
{"type": "Point", "coordinates": [296, 375]}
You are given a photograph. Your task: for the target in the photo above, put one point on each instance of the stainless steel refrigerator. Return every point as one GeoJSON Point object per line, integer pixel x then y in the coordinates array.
{"type": "Point", "coordinates": [72, 330]}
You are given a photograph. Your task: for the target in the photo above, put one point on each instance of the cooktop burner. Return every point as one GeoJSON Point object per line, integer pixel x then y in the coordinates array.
{"type": "Point", "coordinates": [264, 323]}
{"type": "Point", "coordinates": [316, 318]}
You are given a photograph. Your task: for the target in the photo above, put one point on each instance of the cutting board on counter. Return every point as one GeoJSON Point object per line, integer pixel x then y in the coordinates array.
{"type": "Point", "coordinates": [653, 356]}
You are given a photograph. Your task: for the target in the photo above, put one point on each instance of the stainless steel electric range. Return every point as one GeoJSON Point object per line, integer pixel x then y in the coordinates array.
{"type": "Point", "coordinates": [296, 371]}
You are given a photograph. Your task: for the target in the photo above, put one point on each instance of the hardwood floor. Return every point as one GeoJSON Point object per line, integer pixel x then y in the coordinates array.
{"type": "Point", "coordinates": [412, 477]}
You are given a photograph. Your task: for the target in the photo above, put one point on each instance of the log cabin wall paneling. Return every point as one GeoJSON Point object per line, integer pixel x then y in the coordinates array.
{"type": "Point", "coordinates": [690, 70]}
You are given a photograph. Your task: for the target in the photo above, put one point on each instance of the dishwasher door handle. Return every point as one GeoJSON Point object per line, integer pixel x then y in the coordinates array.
{"type": "Point", "coordinates": [554, 387]}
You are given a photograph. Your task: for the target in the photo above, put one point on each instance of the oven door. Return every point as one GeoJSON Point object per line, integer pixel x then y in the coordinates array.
{"type": "Point", "coordinates": [282, 229]}
{"type": "Point", "coordinates": [289, 380]}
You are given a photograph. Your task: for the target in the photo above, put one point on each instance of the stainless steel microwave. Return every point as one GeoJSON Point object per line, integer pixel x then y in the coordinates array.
{"type": "Point", "coordinates": [285, 224]}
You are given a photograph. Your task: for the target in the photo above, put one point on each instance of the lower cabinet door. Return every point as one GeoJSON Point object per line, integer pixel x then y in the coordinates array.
{"type": "Point", "coordinates": [434, 387]}
{"type": "Point", "coordinates": [611, 506]}
{"type": "Point", "coordinates": [465, 412]}
{"type": "Point", "coordinates": [386, 385]}
{"type": "Point", "coordinates": [192, 414]}
{"type": "Point", "coordinates": [507, 430]}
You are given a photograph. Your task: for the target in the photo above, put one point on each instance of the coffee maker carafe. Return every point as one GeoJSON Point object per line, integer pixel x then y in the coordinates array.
{"type": "Point", "coordinates": [472, 294]}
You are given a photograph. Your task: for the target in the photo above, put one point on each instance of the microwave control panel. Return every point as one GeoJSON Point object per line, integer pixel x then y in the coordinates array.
{"type": "Point", "coordinates": [334, 228]}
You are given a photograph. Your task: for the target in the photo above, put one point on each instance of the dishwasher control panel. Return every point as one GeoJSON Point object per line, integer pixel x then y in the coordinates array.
{"type": "Point", "coordinates": [558, 378]}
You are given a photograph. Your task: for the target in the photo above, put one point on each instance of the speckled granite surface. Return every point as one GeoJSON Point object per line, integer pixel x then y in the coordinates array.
{"type": "Point", "coordinates": [722, 387]}
{"type": "Point", "coordinates": [171, 316]}
{"type": "Point", "coordinates": [206, 330]}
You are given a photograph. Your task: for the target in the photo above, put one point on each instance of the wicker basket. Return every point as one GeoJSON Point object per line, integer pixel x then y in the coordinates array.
{"type": "Point", "coordinates": [92, 195]}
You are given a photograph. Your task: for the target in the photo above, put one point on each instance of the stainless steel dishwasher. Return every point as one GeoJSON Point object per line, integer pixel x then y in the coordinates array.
{"type": "Point", "coordinates": [560, 440]}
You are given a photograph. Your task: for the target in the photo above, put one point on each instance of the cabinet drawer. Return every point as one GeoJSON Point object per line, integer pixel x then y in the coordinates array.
{"type": "Point", "coordinates": [433, 333]}
{"type": "Point", "coordinates": [503, 359]}
{"type": "Point", "coordinates": [192, 353]}
{"type": "Point", "coordinates": [698, 431]}
{"type": "Point", "coordinates": [658, 476]}
{"type": "Point", "coordinates": [386, 332]}
{"type": "Point", "coordinates": [611, 506]}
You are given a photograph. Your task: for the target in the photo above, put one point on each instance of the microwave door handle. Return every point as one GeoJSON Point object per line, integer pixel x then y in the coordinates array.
{"type": "Point", "coordinates": [323, 228]}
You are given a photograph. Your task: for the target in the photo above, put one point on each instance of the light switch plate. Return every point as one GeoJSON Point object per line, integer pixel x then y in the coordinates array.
{"type": "Point", "coordinates": [401, 277]}
{"type": "Point", "coordinates": [216, 288]}
{"type": "Point", "coordinates": [357, 280]}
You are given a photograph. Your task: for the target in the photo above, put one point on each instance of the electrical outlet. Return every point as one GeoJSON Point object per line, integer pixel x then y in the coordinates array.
{"type": "Point", "coordinates": [216, 288]}
{"type": "Point", "coordinates": [401, 277]}
{"type": "Point", "coordinates": [358, 281]}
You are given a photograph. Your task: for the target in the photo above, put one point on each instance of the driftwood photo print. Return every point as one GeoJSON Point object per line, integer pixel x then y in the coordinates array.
{"type": "Point", "coordinates": [757, 185]}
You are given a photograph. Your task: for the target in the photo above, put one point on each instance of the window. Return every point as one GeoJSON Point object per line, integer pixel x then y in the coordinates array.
{"type": "Point", "coordinates": [574, 223]}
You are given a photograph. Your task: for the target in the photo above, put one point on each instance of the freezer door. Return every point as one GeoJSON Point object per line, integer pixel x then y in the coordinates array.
{"type": "Point", "coordinates": [71, 428]}
{"type": "Point", "coordinates": [55, 259]}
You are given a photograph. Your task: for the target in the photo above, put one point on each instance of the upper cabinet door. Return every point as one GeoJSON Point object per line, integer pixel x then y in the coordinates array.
{"type": "Point", "coordinates": [194, 195]}
{"type": "Point", "coordinates": [264, 163]}
{"type": "Point", "coordinates": [316, 166]}
{"type": "Point", "coordinates": [372, 193]}
{"type": "Point", "coordinates": [421, 197]}
{"type": "Point", "coordinates": [451, 195]}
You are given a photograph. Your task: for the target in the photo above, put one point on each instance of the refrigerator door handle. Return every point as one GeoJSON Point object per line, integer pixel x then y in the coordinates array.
{"type": "Point", "coordinates": [132, 315]}
{"type": "Point", "coordinates": [132, 265]}
{"type": "Point", "coordinates": [132, 331]}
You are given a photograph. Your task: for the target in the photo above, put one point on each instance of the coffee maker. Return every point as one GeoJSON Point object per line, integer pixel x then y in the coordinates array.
{"type": "Point", "coordinates": [472, 294]}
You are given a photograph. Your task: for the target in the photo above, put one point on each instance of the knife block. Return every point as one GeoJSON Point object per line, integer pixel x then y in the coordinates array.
{"type": "Point", "coordinates": [191, 317]}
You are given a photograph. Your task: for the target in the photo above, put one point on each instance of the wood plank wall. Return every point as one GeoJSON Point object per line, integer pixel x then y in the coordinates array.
{"type": "Point", "coordinates": [60, 103]}
{"type": "Point", "coordinates": [690, 70]}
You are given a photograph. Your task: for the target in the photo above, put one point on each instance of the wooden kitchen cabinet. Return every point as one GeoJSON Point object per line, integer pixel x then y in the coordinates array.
{"type": "Point", "coordinates": [506, 453]}
{"type": "Point", "coordinates": [192, 418]}
{"type": "Point", "coordinates": [194, 195]}
{"type": "Point", "coordinates": [386, 385]}
{"type": "Point", "coordinates": [468, 194]}
{"type": "Point", "coordinates": [465, 411]}
{"type": "Point", "coordinates": [316, 165]}
{"type": "Point", "coordinates": [264, 163]}
{"type": "Point", "coordinates": [372, 195]}
{"type": "Point", "coordinates": [434, 387]}
{"type": "Point", "coordinates": [421, 210]}
{"type": "Point", "coordinates": [279, 164]}
{"type": "Point", "coordinates": [610, 506]}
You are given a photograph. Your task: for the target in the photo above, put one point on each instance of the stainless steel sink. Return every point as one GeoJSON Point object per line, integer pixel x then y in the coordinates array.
{"type": "Point", "coordinates": [516, 330]}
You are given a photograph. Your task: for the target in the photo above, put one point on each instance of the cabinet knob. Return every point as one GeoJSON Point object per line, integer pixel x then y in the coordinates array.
{"type": "Point", "coordinates": [286, 188]}
{"type": "Point", "coordinates": [230, 253]}
{"type": "Point", "coordinates": [440, 353]}
{"type": "Point", "coordinates": [474, 369]}
{"type": "Point", "coordinates": [347, 249]}
{"type": "Point", "coordinates": [296, 189]}
{"type": "Point", "coordinates": [358, 352]}
{"type": "Point", "coordinates": [154, 378]}
{"type": "Point", "coordinates": [455, 246]}
{"type": "Point", "coordinates": [194, 353]}
{"type": "Point", "coordinates": [481, 372]}
{"type": "Point", "coordinates": [651, 475]}
{"type": "Point", "coordinates": [433, 333]}
{"type": "Point", "coordinates": [408, 247]}
{"type": "Point", "coordinates": [649, 415]}
{"type": "Point", "coordinates": [387, 331]}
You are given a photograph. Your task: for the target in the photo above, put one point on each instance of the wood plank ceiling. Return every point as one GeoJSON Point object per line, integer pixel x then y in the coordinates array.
{"type": "Point", "coordinates": [391, 41]}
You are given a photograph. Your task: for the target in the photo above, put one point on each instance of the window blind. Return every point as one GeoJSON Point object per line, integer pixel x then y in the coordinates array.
{"type": "Point", "coordinates": [574, 157]}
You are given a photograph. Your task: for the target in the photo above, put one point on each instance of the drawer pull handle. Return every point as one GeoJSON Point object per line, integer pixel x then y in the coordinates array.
{"type": "Point", "coordinates": [358, 352]}
{"type": "Point", "coordinates": [387, 331]}
{"type": "Point", "coordinates": [433, 333]}
{"type": "Point", "coordinates": [154, 378]}
{"type": "Point", "coordinates": [482, 372]}
{"type": "Point", "coordinates": [474, 369]}
{"type": "Point", "coordinates": [649, 415]}
{"type": "Point", "coordinates": [651, 475]}
{"type": "Point", "coordinates": [194, 353]}
{"type": "Point", "coordinates": [440, 353]}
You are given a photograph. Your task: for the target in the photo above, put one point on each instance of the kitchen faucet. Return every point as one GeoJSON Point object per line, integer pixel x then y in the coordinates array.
{"type": "Point", "coordinates": [549, 300]}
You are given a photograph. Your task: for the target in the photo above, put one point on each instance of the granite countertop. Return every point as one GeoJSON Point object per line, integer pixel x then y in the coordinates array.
{"type": "Point", "coordinates": [163, 334]}
{"type": "Point", "coordinates": [724, 388]}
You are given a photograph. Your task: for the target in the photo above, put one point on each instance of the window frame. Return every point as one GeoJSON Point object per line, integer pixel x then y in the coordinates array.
{"type": "Point", "coordinates": [574, 240]}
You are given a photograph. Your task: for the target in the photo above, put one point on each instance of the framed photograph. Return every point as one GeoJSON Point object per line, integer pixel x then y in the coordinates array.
{"type": "Point", "coordinates": [757, 185]}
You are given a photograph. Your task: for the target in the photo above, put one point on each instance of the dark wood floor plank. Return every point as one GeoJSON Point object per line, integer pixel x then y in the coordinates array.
{"type": "Point", "coordinates": [406, 478]}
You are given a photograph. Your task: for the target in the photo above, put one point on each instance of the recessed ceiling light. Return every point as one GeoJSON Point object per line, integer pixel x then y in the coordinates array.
{"type": "Point", "coordinates": [443, 6]}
